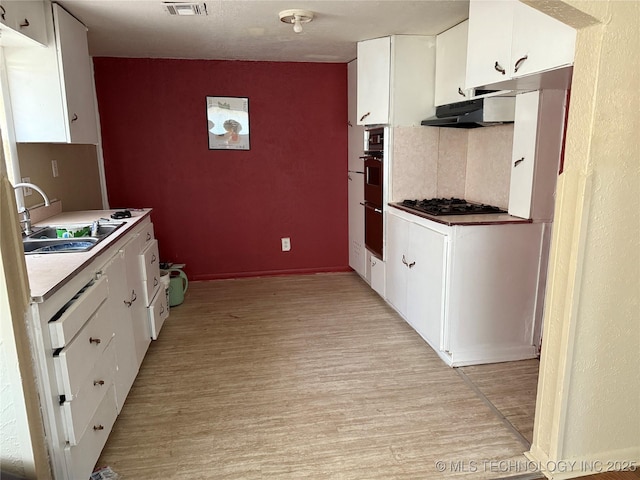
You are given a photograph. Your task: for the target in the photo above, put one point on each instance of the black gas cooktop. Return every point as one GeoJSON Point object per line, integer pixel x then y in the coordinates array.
{"type": "Point", "coordinates": [449, 206]}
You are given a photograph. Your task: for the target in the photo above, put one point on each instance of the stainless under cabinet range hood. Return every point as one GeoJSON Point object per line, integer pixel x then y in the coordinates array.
{"type": "Point", "coordinates": [480, 112]}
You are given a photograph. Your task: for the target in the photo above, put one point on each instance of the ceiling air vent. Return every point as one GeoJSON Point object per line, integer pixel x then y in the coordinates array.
{"type": "Point", "coordinates": [185, 9]}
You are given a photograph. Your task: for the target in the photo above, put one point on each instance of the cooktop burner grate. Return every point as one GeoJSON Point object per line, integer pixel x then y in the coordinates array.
{"type": "Point", "coordinates": [450, 206]}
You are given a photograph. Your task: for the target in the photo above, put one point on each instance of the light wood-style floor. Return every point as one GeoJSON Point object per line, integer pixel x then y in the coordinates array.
{"type": "Point", "coordinates": [312, 376]}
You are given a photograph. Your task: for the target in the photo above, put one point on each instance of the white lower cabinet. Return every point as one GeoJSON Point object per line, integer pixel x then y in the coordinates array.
{"type": "Point", "coordinates": [124, 346]}
{"type": "Point", "coordinates": [357, 257]}
{"type": "Point", "coordinates": [136, 300]}
{"type": "Point", "coordinates": [93, 388]}
{"type": "Point", "coordinates": [158, 312]}
{"type": "Point", "coordinates": [93, 334]}
{"type": "Point", "coordinates": [376, 274]}
{"type": "Point", "coordinates": [471, 291]}
{"type": "Point", "coordinates": [81, 458]}
{"type": "Point", "coordinates": [415, 276]}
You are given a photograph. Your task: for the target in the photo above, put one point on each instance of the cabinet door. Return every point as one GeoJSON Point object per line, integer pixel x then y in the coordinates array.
{"type": "Point", "coordinates": [77, 79]}
{"type": "Point", "coordinates": [24, 22]}
{"type": "Point", "coordinates": [135, 300]}
{"type": "Point", "coordinates": [489, 41]}
{"type": "Point", "coordinates": [377, 268]}
{"type": "Point", "coordinates": [374, 63]}
{"type": "Point", "coordinates": [524, 154]}
{"type": "Point", "coordinates": [532, 52]}
{"type": "Point", "coordinates": [356, 132]}
{"type": "Point", "coordinates": [124, 341]}
{"type": "Point", "coordinates": [397, 271]}
{"type": "Point", "coordinates": [425, 288]}
{"type": "Point", "coordinates": [357, 257]}
{"type": "Point", "coordinates": [451, 65]}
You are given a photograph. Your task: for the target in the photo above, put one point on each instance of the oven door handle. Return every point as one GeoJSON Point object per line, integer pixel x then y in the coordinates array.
{"type": "Point", "coordinates": [372, 207]}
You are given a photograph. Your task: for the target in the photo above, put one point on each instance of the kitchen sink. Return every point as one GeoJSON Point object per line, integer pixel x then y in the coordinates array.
{"type": "Point", "coordinates": [58, 245]}
{"type": "Point", "coordinates": [46, 240]}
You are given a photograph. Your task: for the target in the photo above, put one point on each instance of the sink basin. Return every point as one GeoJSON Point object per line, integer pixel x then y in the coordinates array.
{"type": "Point", "coordinates": [58, 245]}
{"type": "Point", "coordinates": [51, 231]}
{"type": "Point", "coordinates": [45, 239]}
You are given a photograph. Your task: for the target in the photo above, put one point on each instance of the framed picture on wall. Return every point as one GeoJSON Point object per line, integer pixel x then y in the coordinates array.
{"type": "Point", "coordinates": [228, 123]}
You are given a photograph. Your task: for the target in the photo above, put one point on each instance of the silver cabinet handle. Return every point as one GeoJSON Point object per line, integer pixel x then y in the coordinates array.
{"type": "Point", "coordinates": [519, 63]}
{"type": "Point", "coordinates": [98, 427]}
{"type": "Point", "coordinates": [98, 383]}
{"type": "Point", "coordinates": [155, 282]}
{"type": "Point", "coordinates": [25, 23]}
{"type": "Point", "coordinates": [460, 92]}
{"type": "Point", "coordinates": [499, 68]}
{"type": "Point", "coordinates": [148, 237]}
{"type": "Point", "coordinates": [411, 265]}
{"type": "Point", "coordinates": [75, 117]}
{"type": "Point", "coordinates": [94, 340]}
{"type": "Point", "coordinates": [404, 260]}
{"type": "Point", "coordinates": [518, 162]}
{"type": "Point", "coordinates": [153, 259]}
{"type": "Point", "coordinates": [365, 116]}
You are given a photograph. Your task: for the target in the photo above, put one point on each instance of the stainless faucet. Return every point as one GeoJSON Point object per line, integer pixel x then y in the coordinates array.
{"type": "Point", "coordinates": [26, 217]}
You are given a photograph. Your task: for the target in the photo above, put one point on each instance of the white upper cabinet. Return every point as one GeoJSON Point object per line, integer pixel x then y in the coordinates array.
{"type": "Point", "coordinates": [537, 148]}
{"type": "Point", "coordinates": [395, 80]}
{"type": "Point", "coordinates": [509, 40]}
{"type": "Point", "coordinates": [51, 89]}
{"type": "Point", "coordinates": [22, 23]}
{"type": "Point", "coordinates": [451, 58]}
{"type": "Point", "coordinates": [374, 64]}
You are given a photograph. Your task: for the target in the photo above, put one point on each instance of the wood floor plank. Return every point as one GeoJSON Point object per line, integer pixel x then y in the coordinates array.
{"type": "Point", "coordinates": [299, 377]}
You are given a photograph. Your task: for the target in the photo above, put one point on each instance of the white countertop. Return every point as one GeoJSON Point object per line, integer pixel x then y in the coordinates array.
{"type": "Point", "coordinates": [48, 272]}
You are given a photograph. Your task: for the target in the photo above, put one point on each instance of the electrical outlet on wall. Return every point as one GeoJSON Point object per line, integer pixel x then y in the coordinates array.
{"type": "Point", "coordinates": [286, 244]}
{"type": "Point", "coordinates": [26, 191]}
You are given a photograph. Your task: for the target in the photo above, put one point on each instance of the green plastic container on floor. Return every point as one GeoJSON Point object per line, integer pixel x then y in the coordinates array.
{"type": "Point", "coordinates": [178, 284]}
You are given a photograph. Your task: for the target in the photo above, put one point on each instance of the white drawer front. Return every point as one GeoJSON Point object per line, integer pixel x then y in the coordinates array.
{"type": "Point", "coordinates": [150, 259]}
{"type": "Point", "coordinates": [75, 361]}
{"type": "Point", "coordinates": [81, 458]}
{"type": "Point", "coordinates": [158, 313]}
{"type": "Point", "coordinates": [76, 312]}
{"type": "Point", "coordinates": [146, 236]}
{"type": "Point", "coordinates": [78, 413]}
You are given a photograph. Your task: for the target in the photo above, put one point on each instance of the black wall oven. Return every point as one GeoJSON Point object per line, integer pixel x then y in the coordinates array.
{"type": "Point", "coordinates": [373, 190]}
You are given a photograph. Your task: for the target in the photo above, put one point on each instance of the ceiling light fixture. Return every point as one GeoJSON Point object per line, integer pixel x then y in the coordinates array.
{"type": "Point", "coordinates": [296, 18]}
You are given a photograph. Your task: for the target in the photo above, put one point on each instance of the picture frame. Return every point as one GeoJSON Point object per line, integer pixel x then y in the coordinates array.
{"type": "Point", "coordinates": [228, 123]}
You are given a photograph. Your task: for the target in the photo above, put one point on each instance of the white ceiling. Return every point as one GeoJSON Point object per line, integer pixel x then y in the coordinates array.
{"type": "Point", "coordinates": [252, 30]}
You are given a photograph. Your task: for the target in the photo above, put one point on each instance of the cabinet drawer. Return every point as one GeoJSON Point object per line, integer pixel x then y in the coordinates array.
{"type": "Point", "coordinates": [75, 361]}
{"type": "Point", "coordinates": [146, 236]}
{"type": "Point", "coordinates": [70, 319]}
{"type": "Point", "coordinates": [81, 458]}
{"type": "Point", "coordinates": [158, 313]}
{"type": "Point", "coordinates": [78, 413]}
{"type": "Point", "coordinates": [150, 270]}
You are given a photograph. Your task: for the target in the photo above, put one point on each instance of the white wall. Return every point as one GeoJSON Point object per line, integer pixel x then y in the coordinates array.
{"type": "Point", "coordinates": [20, 420]}
{"type": "Point", "coordinates": [588, 407]}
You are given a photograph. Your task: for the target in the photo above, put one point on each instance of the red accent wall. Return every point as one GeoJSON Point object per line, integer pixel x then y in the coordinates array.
{"type": "Point", "coordinates": [223, 212]}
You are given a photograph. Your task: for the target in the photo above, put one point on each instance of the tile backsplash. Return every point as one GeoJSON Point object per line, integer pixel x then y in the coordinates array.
{"type": "Point", "coordinates": [489, 165]}
{"type": "Point", "coordinates": [414, 163]}
{"type": "Point", "coordinates": [449, 162]}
